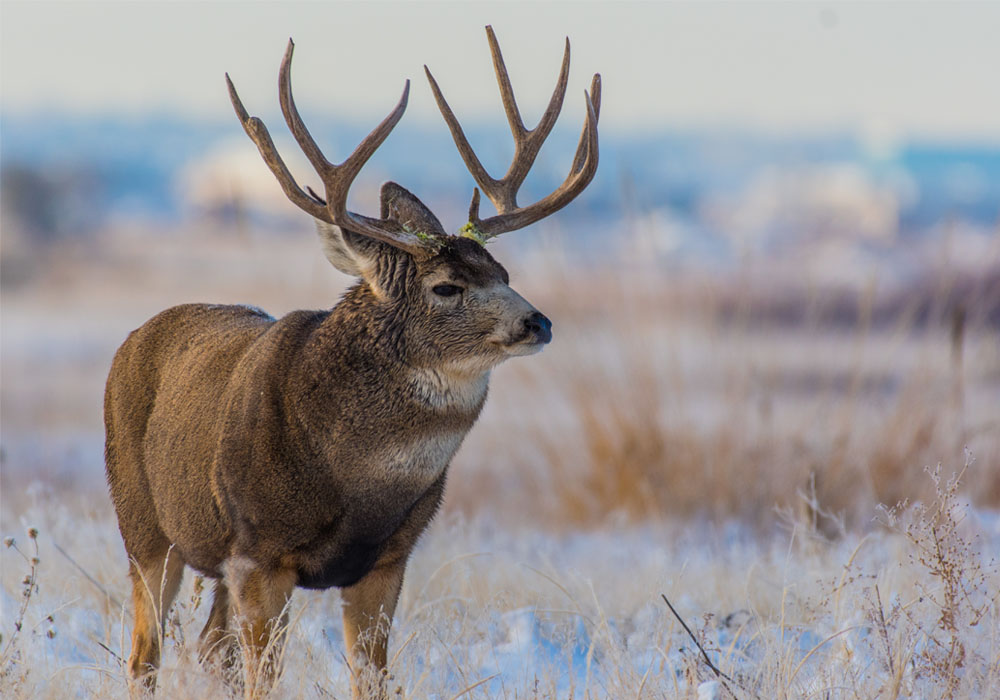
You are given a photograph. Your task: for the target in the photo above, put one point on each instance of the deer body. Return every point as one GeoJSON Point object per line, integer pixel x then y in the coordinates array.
{"type": "Point", "coordinates": [256, 385]}
{"type": "Point", "coordinates": [312, 450]}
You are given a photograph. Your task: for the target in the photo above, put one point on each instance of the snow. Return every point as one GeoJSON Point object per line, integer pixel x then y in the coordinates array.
{"type": "Point", "coordinates": [522, 612]}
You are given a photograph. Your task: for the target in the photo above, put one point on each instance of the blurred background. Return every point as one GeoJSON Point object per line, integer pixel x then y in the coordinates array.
{"type": "Point", "coordinates": [780, 294]}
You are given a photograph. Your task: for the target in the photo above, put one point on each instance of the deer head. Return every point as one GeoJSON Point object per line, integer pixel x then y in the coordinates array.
{"type": "Point", "coordinates": [460, 309]}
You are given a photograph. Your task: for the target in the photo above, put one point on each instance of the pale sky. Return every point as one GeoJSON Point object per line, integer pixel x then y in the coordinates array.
{"type": "Point", "coordinates": [896, 69]}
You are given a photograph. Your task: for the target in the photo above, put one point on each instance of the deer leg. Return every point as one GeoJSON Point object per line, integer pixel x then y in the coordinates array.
{"type": "Point", "coordinates": [154, 586]}
{"type": "Point", "coordinates": [215, 644]}
{"type": "Point", "coordinates": [259, 599]}
{"type": "Point", "coordinates": [368, 609]}
{"type": "Point", "coordinates": [370, 603]}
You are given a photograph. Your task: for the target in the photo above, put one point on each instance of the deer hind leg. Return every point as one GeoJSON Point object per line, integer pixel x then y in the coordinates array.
{"type": "Point", "coordinates": [154, 585]}
{"type": "Point", "coordinates": [259, 599]}
{"type": "Point", "coordinates": [215, 643]}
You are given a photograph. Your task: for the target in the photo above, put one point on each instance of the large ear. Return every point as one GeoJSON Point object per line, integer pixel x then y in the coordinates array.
{"type": "Point", "coordinates": [351, 254]}
{"type": "Point", "coordinates": [360, 256]}
{"type": "Point", "coordinates": [401, 206]}
{"type": "Point", "coordinates": [337, 250]}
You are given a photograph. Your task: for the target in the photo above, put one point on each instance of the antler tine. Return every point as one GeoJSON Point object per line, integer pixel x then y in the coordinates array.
{"type": "Point", "coordinates": [479, 174]}
{"type": "Point", "coordinates": [581, 152]}
{"type": "Point", "coordinates": [292, 118]}
{"type": "Point", "coordinates": [527, 142]}
{"type": "Point", "coordinates": [474, 208]}
{"type": "Point", "coordinates": [576, 181]}
{"type": "Point", "coordinates": [506, 90]}
{"type": "Point", "coordinates": [341, 177]}
{"type": "Point", "coordinates": [337, 179]}
{"type": "Point", "coordinates": [259, 135]}
{"type": "Point", "coordinates": [349, 169]}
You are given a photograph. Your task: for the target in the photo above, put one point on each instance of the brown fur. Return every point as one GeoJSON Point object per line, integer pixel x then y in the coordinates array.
{"type": "Point", "coordinates": [307, 451]}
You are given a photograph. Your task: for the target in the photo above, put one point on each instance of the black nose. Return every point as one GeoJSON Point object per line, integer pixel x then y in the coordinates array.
{"type": "Point", "coordinates": [539, 325]}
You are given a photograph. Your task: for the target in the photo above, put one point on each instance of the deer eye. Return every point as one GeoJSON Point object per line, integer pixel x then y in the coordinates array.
{"type": "Point", "coordinates": [447, 290]}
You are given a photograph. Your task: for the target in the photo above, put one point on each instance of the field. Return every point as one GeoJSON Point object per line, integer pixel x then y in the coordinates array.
{"type": "Point", "coordinates": [809, 474]}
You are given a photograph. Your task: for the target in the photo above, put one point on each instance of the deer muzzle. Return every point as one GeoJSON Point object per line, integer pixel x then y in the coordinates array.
{"type": "Point", "coordinates": [538, 327]}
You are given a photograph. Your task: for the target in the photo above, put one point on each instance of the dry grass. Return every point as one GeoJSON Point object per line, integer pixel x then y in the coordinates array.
{"type": "Point", "coordinates": [664, 394]}
{"type": "Point", "coordinates": [649, 405]}
{"type": "Point", "coordinates": [910, 611]}
{"type": "Point", "coordinates": [680, 436]}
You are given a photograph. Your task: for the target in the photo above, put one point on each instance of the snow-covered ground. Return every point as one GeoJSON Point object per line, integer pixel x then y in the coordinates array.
{"type": "Point", "coordinates": [523, 614]}
{"type": "Point", "coordinates": [658, 447]}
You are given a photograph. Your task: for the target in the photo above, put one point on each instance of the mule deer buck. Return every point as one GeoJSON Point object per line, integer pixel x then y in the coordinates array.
{"type": "Point", "coordinates": [312, 450]}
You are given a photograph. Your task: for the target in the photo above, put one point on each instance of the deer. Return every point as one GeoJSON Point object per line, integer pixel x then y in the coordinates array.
{"type": "Point", "coordinates": [312, 450]}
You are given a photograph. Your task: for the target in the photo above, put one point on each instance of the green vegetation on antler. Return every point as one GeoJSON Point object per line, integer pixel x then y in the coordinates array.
{"type": "Point", "coordinates": [470, 230]}
{"type": "Point", "coordinates": [429, 239]}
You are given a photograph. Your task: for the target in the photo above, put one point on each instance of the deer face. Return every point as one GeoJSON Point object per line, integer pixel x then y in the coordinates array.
{"type": "Point", "coordinates": [465, 311]}
{"type": "Point", "coordinates": [457, 309]}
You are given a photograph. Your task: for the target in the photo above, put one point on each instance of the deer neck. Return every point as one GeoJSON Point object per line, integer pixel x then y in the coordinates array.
{"type": "Point", "coordinates": [374, 332]}
{"type": "Point", "coordinates": [455, 386]}
{"type": "Point", "coordinates": [366, 326]}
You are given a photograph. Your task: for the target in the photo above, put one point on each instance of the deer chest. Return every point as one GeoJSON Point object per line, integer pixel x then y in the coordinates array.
{"type": "Point", "coordinates": [417, 463]}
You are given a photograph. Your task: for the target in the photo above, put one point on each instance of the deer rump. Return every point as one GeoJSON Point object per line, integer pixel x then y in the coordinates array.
{"type": "Point", "coordinates": [209, 446]}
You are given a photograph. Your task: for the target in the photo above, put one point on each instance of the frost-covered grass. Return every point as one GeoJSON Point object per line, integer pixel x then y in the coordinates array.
{"type": "Point", "coordinates": [675, 439]}
{"type": "Point", "coordinates": [909, 610]}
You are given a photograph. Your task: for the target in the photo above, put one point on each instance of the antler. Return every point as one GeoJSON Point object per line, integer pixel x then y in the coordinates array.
{"type": "Point", "coordinates": [503, 192]}
{"type": "Point", "coordinates": [337, 179]}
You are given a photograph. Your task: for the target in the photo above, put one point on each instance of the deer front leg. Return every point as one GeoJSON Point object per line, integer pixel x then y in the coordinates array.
{"type": "Point", "coordinates": [370, 603]}
{"type": "Point", "coordinates": [368, 609]}
{"type": "Point", "coordinates": [259, 599]}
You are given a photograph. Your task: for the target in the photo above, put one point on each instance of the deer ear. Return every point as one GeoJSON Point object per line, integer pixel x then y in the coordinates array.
{"type": "Point", "coordinates": [358, 256]}
{"type": "Point", "coordinates": [352, 253]}
{"type": "Point", "coordinates": [402, 207]}
{"type": "Point", "coordinates": [337, 250]}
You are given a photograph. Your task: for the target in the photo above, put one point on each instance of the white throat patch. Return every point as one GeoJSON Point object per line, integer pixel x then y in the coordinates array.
{"type": "Point", "coordinates": [457, 387]}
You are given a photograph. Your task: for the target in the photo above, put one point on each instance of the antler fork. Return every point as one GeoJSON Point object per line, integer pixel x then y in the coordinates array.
{"type": "Point", "coordinates": [337, 179]}
{"type": "Point", "coordinates": [503, 192]}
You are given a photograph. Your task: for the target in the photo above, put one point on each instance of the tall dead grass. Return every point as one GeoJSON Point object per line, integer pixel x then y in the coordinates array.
{"type": "Point", "coordinates": [666, 393]}
{"type": "Point", "coordinates": [657, 400]}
